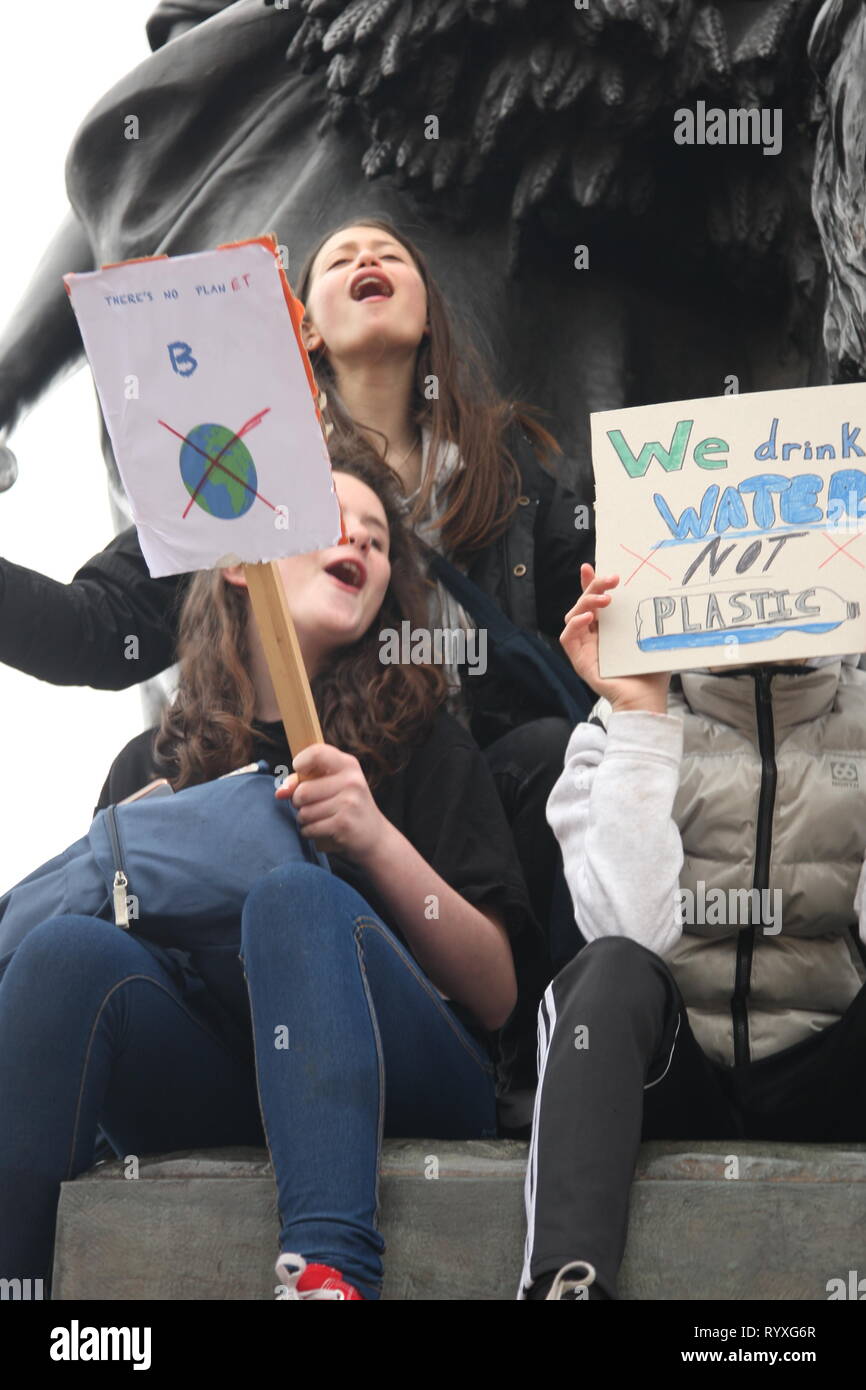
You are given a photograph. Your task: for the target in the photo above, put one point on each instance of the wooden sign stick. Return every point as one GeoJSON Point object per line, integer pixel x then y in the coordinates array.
{"type": "Point", "coordinates": [283, 655]}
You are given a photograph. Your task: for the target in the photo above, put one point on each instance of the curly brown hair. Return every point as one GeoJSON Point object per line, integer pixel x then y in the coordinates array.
{"type": "Point", "coordinates": [377, 712]}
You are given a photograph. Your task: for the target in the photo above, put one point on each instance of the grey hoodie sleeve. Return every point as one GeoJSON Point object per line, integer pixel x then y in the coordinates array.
{"type": "Point", "coordinates": [612, 813]}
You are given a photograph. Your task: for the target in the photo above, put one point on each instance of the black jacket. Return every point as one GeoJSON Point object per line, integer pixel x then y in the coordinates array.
{"type": "Point", "coordinates": [113, 626]}
{"type": "Point", "coordinates": [533, 573]}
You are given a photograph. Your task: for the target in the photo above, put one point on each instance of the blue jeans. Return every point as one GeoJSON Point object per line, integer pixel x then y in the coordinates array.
{"type": "Point", "coordinates": [351, 1040]}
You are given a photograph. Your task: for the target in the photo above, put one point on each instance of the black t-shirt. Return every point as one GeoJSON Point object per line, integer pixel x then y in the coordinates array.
{"type": "Point", "coordinates": [444, 801]}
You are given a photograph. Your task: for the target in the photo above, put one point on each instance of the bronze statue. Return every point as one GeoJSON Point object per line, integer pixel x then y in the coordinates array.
{"type": "Point", "coordinates": [536, 151]}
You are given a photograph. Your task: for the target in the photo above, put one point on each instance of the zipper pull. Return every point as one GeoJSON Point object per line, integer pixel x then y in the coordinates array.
{"type": "Point", "coordinates": [121, 912]}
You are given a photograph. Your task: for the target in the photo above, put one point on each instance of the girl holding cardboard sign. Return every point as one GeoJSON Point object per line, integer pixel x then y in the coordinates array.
{"type": "Point", "coordinates": [390, 972]}
{"type": "Point", "coordinates": [713, 827]}
{"type": "Point", "coordinates": [381, 342]}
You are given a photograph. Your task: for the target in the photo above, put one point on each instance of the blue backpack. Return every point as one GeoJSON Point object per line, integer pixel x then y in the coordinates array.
{"type": "Point", "coordinates": [173, 869]}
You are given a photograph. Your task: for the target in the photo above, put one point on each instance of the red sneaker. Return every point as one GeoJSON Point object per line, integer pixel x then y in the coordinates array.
{"type": "Point", "coordinates": [299, 1280]}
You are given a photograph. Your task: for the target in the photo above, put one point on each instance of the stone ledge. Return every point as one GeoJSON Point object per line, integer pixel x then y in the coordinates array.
{"type": "Point", "coordinates": [207, 1228]}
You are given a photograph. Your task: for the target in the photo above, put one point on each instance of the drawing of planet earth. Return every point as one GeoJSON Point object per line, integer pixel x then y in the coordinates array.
{"type": "Point", "coordinates": [227, 491]}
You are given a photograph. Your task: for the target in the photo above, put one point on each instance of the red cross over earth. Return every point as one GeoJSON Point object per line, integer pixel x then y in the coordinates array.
{"type": "Point", "coordinates": [216, 463]}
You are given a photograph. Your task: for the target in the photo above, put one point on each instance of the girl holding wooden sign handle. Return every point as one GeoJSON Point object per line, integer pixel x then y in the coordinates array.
{"type": "Point", "coordinates": [400, 383]}
{"type": "Point", "coordinates": [364, 998]}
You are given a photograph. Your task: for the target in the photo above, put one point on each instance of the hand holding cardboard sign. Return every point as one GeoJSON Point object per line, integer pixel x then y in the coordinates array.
{"type": "Point", "coordinates": [579, 640]}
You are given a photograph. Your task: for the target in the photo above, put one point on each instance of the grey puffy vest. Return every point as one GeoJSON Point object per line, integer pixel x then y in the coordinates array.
{"type": "Point", "coordinates": [772, 797]}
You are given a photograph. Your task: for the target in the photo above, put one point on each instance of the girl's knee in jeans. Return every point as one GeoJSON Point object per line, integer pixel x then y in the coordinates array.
{"type": "Point", "coordinates": [69, 947]}
{"type": "Point", "coordinates": [295, 899]}
{"type": "Point", "coordinates": [286, 893]}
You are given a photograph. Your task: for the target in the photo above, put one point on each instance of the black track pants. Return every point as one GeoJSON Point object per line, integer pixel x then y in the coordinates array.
{"type": "Point", "coordinates": [618, 1063]}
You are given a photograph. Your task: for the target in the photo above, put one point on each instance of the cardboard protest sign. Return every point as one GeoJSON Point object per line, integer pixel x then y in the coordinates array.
{"type": "Point", "coordinates": [736, 524]}
{"type": "Point", "coordinates": [208, 403]}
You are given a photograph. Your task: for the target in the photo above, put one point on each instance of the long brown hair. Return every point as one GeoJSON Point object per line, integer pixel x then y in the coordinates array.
{"type": "Point", "coordinates": [468, 411]}
{"type": "Point", "coordinates": [377, 712]}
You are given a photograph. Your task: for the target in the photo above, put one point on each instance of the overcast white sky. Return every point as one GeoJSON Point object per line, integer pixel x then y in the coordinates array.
{"type": "Point", "coordinates": [56, 744]}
